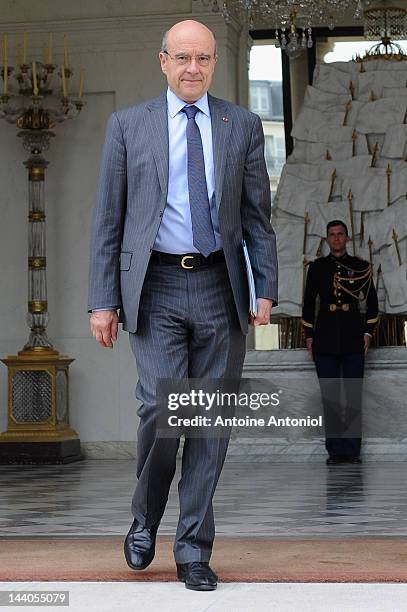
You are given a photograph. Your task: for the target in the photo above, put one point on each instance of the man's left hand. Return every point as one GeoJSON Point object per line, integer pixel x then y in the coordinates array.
{"type": "Point", "coordinates": [367, 340]}
{"type": "Point", "coordinates": [264, 307]}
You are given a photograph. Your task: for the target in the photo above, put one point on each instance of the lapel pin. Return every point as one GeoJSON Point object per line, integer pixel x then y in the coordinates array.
{"type": "Point", "coordinates": [225, 119]}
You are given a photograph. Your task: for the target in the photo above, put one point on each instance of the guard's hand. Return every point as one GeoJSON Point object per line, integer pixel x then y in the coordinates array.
{"type": "Point", "coordinates": [367, 340]}
{"type": "Point", "coordinates": [262, 317]}
{"type": "Point", "coordinates": [308, 343]}
{"type": "Point", "coordinates": [104, 325]}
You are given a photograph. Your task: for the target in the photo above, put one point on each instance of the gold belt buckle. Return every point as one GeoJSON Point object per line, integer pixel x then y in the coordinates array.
{"type": "Point", "coordinates": [184, 265]}
{"type": "Point", "coordinates": [332, 307]}
{"type": "Point", "coordinates": [345, 307]}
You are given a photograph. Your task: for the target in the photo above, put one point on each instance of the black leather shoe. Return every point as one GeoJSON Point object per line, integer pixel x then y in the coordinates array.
{"type": "Point", "coordinates": [139, 545]}
{"type": "Point", "coordinates": [197, 576]}
{"type": "Point", "coordinates": [355, 460]}
{"type": "Point", "coordinates": [334, 459]}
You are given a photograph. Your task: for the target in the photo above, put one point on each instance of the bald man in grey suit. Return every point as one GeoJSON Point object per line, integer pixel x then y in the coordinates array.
{"type": "Point", "coordinates": [183, 181]}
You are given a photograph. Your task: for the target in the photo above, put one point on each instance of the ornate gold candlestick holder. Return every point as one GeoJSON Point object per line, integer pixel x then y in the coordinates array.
{"type": "Point", "coordinates": [38, 428]}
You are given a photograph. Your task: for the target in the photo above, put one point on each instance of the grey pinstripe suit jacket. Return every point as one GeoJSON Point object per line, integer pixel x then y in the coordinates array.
{"type": "Point", "coordinates": [132, 194]}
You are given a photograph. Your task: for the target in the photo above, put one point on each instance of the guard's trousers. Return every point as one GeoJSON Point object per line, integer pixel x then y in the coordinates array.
{"type": "Point", "coordinates": [187, 328]}
{"type": "Point", "coordinates": [341, 384]}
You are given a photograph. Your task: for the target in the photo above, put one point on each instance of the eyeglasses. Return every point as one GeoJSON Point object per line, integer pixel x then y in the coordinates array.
{"type": "Point", "coordinates": [182, 59]}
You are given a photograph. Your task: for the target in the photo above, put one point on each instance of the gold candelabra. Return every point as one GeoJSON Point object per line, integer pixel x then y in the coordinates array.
{"type": "Point", "coordinates": [36, 96]}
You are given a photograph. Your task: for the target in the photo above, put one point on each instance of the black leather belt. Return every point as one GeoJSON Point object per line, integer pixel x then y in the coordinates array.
{"type": "Point", "coordinates": [189, 261]}
{"type": "Point", "coordinates": [343, 307]}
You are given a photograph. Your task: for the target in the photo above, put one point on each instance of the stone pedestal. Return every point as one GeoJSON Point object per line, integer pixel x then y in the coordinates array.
{"type": "Point", "coordinates": [384, 410]}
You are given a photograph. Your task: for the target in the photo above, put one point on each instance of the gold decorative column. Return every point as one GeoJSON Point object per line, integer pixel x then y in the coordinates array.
{"type": "Point", "coordinates": [38, 428]}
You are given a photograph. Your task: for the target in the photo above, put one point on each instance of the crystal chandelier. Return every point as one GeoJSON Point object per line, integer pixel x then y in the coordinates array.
{"type": "Point", "coordinates": [291, 19]}
{"type": "Point", "coordinates": [384, 21]}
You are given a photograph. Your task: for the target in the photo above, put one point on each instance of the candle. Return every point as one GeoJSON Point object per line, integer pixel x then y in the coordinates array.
{"type": "Point", "coordinates": [5, 58]}
{"type": "Point", "coordinates": [81, 84]}
{"type": "Point", "coordinates": [50, 45]}
{"type": "Point", "coordinates": [5, 50]}
{"type": "Point", "coordinates": [66, 58]}
{"type": "Point", "coordinates": [25, 48]}
{"type": "Point", "coordinates": [63, 81]}
{"type": "Point", "coordinates": [35, 84]}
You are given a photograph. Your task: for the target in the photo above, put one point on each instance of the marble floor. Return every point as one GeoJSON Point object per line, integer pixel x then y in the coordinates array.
{"type": "Point", "coordinates": [252, 499]}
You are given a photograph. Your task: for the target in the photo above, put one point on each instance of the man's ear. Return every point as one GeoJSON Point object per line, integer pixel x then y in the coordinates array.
{"type": "Point", "coordinates": [163, 62]}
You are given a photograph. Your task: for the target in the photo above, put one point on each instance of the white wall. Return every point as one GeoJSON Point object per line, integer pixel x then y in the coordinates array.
{"type": "Point", "coordinates": [117, 44]}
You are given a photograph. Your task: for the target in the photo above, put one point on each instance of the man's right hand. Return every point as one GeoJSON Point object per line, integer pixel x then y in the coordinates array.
{"type": "Point", "coordinates": [104, 325]}
{"type": "Point", "coordinates": [309, 347]}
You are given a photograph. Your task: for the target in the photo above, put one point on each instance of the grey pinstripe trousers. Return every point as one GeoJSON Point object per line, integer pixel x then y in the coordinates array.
{"type": "Point", "coordinates": [187, 328]}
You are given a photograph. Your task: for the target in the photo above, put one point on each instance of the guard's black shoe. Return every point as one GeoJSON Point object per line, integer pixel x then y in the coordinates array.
{"type": "Point", "coordinates": [139, 545]}
{"type": "Point", "coordinates": [355, 460]}
{"type": "Point", "coordinates": [334, 459]}
{"type": "Point", "coordinates": [197, 576]}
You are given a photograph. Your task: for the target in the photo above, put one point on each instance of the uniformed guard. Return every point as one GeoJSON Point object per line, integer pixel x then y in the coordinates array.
{"type": "Point", "coordinates": [339, 337]}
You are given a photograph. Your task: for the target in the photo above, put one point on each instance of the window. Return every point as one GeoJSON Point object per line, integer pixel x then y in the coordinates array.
{"type": "Point", "coordinates": [275, 156]}
{"type": "Point", "coordinates": [259, 99]}
{"type": "Point", "coordinates": [266, 100]}
{"type": "Point", "coordinates": [269, 148]}
{"type": "Point", "coordinates": [280, 148]}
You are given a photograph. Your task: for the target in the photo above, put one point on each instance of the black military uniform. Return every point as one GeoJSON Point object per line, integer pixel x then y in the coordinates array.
{"type": "Point", "coordinates": [338, 343]}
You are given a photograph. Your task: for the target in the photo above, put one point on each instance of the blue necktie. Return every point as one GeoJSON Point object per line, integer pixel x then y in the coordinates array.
{"type": "Point", "coordinates": [202, 229]}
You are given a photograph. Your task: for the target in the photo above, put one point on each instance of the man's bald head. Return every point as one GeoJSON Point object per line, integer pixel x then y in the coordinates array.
{"type": "Point", "coordinates": [191, 26]}
{"type": "Point", "coordinates": [188, 58]}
